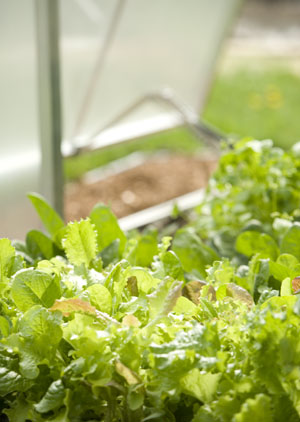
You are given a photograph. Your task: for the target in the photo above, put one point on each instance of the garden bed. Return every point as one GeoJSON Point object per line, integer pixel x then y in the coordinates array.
{"type": "Point", "coordinates": [97, 325]}
{"type": "Point", "coordinates": [127, 191]}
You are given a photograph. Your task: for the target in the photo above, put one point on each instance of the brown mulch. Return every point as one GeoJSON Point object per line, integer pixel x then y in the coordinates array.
{"type": "Point", "coordinates": [140, 187]}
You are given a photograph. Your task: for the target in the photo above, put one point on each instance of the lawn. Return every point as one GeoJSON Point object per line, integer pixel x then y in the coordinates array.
{"type": "Point", "coordinates": [261, 103]}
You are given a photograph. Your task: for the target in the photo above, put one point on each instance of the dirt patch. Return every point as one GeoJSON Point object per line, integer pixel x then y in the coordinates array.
{"type": "Point", "coordinates": [141, 187]}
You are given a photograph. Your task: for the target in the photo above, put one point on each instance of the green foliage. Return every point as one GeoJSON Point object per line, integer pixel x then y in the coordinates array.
{"type": "Point", "coordinates": [256, 188]}
{"type": "Point", "coordinates": [51, 220]}
{"type": "Point", "coordinates": [80, 242]}
{"type": "Point", "coordinates": [107, 228]}
{"type": "Point", "coordinates": [99, 326]}
{"type": "Point", "coordinates": [33, 287]}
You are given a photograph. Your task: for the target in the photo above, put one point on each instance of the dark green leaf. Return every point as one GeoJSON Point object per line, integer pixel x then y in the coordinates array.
{"type": "Point", "coordinates": [107, 227]}
{"type": "Point", "coordinates": [53, 398]}
{"type": "Point", "coordinates": [192, 252]}
{"type": "Point", "coordinates": [51, 220]}
{"type": "Point", "coordinates": [39, 245]}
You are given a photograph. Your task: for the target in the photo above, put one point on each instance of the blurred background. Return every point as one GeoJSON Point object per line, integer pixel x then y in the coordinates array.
{"type": "Point", "coordinates": [254, 92]}
{"type": "Point", "coordinates": [206, 70]}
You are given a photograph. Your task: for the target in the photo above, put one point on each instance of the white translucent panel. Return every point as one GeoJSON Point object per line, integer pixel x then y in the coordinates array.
{"type": "Point", "coordinates": [84, 27]}
{"type": "Point", "coordinates": [158, 44]}
{"type": "Point", "coordinates": [19, 137]}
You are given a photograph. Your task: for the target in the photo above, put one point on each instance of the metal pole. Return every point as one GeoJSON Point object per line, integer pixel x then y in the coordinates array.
{"type": "Point", "coordinates": [49, 101]}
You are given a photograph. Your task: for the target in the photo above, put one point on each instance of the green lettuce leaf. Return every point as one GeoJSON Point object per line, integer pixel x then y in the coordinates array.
{"type": "Point", "coordinates": [34, 287]}
{"type": "Point", "coordinates": [290, 243]}
{"type": "Point", "coordinates": [53, 398]}
{"type": "Point", "coordinates": [51, 220]}
{"type": "Point", "coordinates": [107, 227]}
{"type": "Point", "coordinates": [7, 254]}
{"type": "Point", "coordinates": [199, 385]}
{"type": "Point", "coordinates": [39, 245]}
{"type": "Point", "coordinates": [259, 408]}
{"type": "Point", "coordinates": [192, 252]}
{"type": "Point", "coordinates": [80, 242]}
{"type": "Point", "coordinates": [250, 243]}
{"type": "Point", "coordinates": [100, 297]}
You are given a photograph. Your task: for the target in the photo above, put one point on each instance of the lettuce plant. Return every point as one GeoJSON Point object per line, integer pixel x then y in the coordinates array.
{"type": "Point", "coordinates": [99, 326]}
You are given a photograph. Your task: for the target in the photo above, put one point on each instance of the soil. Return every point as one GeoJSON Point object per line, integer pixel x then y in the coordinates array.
{"type": "Point", "coordinates": [134, 189]}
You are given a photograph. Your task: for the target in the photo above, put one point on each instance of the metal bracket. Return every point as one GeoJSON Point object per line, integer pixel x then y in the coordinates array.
{"type": "Point", "coordinates": [166, 97]}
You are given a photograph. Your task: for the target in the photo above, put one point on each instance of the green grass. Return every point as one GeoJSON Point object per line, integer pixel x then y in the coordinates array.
{"type": "Point", "coordinates": [263, 104]}
{"type": "Point", "coordinates": [259, 103]}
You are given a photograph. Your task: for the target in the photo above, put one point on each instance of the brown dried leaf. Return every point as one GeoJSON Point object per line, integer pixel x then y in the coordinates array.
{"type": "Point", "coordinates": [126, 373]}
{"type": "Point", "coordinates": [238, 292]}
{"type": "Point", "coordinates": [192, 291]}
{"type": "Point", "coordinates": [296, 285]}
{"type": "Point", "coordinates": [172, 297]}
{"type": "Point", "coordinates": [131, 321]}
{"type": "Point", "coordinates": [132, 285]}
{"type": "Point", "coordinates": [67, 306]}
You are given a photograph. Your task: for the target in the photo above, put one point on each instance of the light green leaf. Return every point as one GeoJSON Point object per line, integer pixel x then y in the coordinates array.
{"type": "Point", "coordinates": [107, 227]}
{"type": "Point", "coordinates": [51, 220]}
{"type": "Point", "coordinates": [221, 292]}
{"type": "Point", "coordinates": [145, 281]}
{"type": "Point", "coordinates": [291, 241]}
{"type": "Point", "coordinates": [53, 398]}
{"type": "Point", "coordinates": [279, 271]}
{"type": "Point", "coordinates": [201, 386]}
{"type": "Point", "coordinates": [4, 327]}
{"type": "Point", "coordinates": [100, 297]}
{"type": "Point", "coordinates": [135, 399]}
{"type": "Point", "coordinates": [164, 298]}
{"type": "Point", "coordinates": [80, 242]}
{"type": "Point", "coordinates": [287, 260]}
{"type": "Point", "coordinates": [286, 287]}
{"type": "Point", "coordinates": [257, 409]}
{"type": "Point", "coordinates": [40, 323]}
{"type": "Point", "coordinates": [39, 335]}
{"type": "Point", "coordinates": [172, 265]}
{"type": "Point", "coordinates": [250, 243]}
{"type": "Point", "coordinates": [185, 307]}
{"type": "Point", "coordinates": [7, 253]}
{"type": "Point", "coordinates": [279, 302]}
{"type": "Point", "coordinates": [34, 287]}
